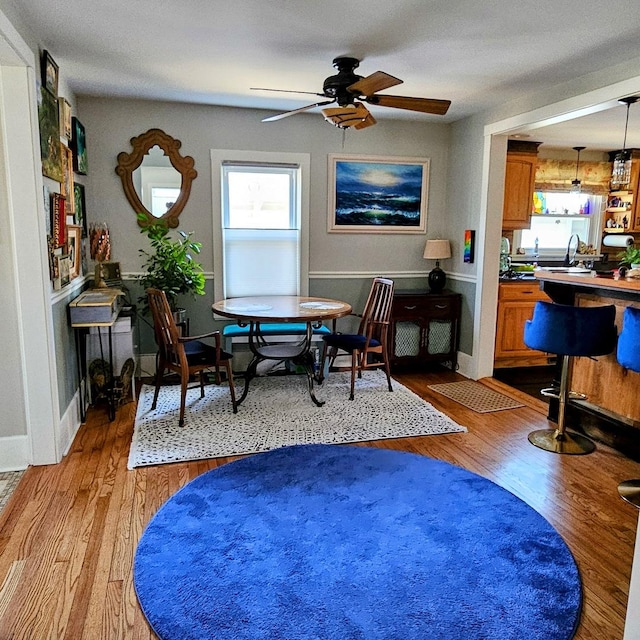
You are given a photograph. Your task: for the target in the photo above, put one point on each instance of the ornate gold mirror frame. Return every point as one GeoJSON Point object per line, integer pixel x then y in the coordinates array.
{"type": "Point", "coordinates": [129, 162]}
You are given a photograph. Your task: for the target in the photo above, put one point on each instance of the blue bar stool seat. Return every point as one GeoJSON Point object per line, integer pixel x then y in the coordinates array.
{"type": "Point", "coordinates": [628, 355]}
{"type": "Point", "coordinates": [568, 331]}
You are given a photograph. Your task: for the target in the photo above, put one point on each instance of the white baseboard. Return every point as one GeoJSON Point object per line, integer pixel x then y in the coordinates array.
{"type": "Point", "coordinates": [146, 365]}
{"type": "Point", "coordinates": [14, 453]}
{"type": "Point", "coordinates": [69, 425]}
{"type": "Point", "coordinates": [465, 365]}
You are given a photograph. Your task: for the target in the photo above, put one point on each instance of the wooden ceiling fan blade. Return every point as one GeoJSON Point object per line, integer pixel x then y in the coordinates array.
{"type": "Point", "coordinates": [286, 114]}
{"type": "Point", "coordinates": [423, 105]}
{"type": "Point", "coordinates": [377, 81]}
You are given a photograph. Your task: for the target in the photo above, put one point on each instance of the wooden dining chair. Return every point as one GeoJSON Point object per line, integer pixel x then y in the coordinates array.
{"type": "Point", "coordinates": [369, 347]}
{"type": "Point", "coordinates": [185, 355]}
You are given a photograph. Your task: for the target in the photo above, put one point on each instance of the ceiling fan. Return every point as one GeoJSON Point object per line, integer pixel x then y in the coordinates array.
{"type": "Point", "coordinates": [350, 91]}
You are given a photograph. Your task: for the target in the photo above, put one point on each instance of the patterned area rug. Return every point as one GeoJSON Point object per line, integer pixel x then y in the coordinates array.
{"type": "Point", "coordinates": [278, 412]}
{"type": "Point", "coordinates": [476, 396]}
{"type": "Point", "coordinates": [8, 482]}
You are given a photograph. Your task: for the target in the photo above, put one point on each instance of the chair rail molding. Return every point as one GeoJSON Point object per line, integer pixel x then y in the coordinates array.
{"type": "Point", "coordinates": [357, 275]}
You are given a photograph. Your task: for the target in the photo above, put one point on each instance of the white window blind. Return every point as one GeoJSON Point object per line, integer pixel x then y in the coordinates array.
{"type": "Point", "coordinates": [261, 262]}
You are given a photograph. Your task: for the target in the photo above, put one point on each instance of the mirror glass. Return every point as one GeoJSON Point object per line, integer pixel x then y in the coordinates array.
{"type": "Point", "coordinates": [157, 182]}
{"type": "Point", "coordinates": [156, 179]}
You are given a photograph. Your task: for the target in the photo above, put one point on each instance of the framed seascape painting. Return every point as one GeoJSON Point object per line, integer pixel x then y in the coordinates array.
{"type": "Point", "coordinates": [376, 194]}
{"type": "Point", "coordinates": [79, 147]}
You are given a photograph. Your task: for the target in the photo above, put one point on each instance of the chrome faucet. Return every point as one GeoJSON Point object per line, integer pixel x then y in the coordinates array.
{"type": "Point", "coordinates": [569, 262]}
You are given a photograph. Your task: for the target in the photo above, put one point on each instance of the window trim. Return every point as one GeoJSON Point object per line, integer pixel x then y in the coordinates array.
{"type": "Point", "coordinates": [221, 156]}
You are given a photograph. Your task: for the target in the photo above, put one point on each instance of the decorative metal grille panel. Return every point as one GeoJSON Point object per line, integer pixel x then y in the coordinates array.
{"type": "Point", "coordinates": [439, 336]}
{"type": "Point", "coordinates": [407, 339]}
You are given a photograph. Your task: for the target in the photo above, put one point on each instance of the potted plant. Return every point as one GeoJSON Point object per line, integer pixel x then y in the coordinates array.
{"type": "Point", "coordinates": [630, 257]}
{"type": "Point", "coordinates": [170, 266]}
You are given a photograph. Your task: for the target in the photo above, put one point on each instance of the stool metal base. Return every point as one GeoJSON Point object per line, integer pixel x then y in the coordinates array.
{"type": "Point", "coordinates": [568, 443]}
{"type": "Point", "coordinates": [629, 490]}
{"type": "Point", "coordinates": [552, 392]}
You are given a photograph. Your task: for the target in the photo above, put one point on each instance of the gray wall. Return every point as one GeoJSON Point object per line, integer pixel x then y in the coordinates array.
{"type": "Point", "coordinates": [341, 265]}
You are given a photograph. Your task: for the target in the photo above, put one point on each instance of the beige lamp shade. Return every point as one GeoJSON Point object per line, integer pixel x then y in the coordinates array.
{"type": "Point", "coordinates": [437, 249]}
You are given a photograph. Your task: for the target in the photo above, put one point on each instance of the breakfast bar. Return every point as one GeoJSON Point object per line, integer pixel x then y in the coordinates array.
{"type": "Point", "coordinates": [611, 411]}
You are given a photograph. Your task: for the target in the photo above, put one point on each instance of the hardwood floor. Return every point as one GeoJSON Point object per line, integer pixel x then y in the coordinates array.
{"type": "Point", "coordinates": [68, 534]}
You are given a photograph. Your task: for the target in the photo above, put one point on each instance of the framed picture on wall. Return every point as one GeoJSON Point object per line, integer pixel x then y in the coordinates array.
{"type": "Point", "coordinates": [377, 194]}
{"type": "Point", "coordinates": [64, 118]}
{"type": "Point", "coordinates": [74, 238]}
{"type": "Point", "coordinates": [58, 219]}
{"type": "Point", "coordinates": [79, 147]}
{"type": "Point", "coordinates": [49, 70]}
{"type": "Point", "coordinates": [469, 245]}
{"type": "Point", "coordinates": [80, 207]}
{"type": "Point", "coordinates": [66, 187]}
{"type": "Point", "coordinates": [50, 145]}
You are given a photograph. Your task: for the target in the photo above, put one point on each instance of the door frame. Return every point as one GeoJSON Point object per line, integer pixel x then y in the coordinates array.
{"type": "Point", "coordinates": [21, 175]}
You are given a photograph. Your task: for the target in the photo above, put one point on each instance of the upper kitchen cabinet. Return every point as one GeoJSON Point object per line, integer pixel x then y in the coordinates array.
{"type": "Point", "coordinates": [519, 184]}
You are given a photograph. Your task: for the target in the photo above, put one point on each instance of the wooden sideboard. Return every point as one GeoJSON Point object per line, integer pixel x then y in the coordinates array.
{"type": "Point", "coordinates": [425, 328]}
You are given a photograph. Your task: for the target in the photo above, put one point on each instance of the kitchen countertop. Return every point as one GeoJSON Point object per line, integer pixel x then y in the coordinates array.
{"type": "Point", "coordinates": [591, 281]}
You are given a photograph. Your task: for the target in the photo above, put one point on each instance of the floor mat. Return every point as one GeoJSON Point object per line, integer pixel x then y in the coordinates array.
{"type": "Point", "coordinates": [476, 396]}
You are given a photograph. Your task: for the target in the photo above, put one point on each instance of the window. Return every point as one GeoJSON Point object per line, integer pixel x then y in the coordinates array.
{"type": "Point", "coordinates": [557, 216]}
{"type": "Point", "coordinates": [261, 228]}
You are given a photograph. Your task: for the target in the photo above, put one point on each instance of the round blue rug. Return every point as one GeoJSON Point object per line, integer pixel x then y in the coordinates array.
{"type": "Point", "coordinates": [325, 542]}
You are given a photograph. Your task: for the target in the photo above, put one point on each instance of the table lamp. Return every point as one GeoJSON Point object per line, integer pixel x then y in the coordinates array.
{"type": "Point", "coordinates": [437, 250]}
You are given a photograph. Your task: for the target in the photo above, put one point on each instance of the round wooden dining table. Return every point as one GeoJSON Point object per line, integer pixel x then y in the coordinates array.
{"type": "Point", "coordinates": [253, 311]}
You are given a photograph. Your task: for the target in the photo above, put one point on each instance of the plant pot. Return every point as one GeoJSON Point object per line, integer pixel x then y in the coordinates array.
{"type": "Point", "coordinates": [179, 315]}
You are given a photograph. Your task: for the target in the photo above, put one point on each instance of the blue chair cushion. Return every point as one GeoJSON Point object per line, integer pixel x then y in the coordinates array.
{"type": "Point", "coordinates": [629, 341]}
{"type": "Point", "coordinates": [273, 329]}
{"type": "Point", "coordinates": [572, 331]}
{"type": "Point", "coordinates": [349, 341]}
{"type": "Point", "coordinates": [198, 352]}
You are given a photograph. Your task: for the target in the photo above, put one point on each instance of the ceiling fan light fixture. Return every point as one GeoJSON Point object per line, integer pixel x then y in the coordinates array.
{"type": "Point", "coordinates": [346, 88]}
{"type": "Point", "coordinates": [621, 172]}
{"type": "Point", "coordinates": [576, 184]}
{"type": "Point", "coordinates": [345, 117]}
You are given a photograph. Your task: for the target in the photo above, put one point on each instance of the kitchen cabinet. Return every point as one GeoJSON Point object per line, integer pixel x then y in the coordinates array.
{"type": "Point", "coordinates": [425, 328]}
{"type": "Point", "coordinates": [516, 301]}
{"type": "Point", "coordinates": [519, 182]}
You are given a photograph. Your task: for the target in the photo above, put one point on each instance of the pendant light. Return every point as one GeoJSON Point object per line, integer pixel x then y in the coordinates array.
{"type": "Point", "coordinates": [621, 174]}
{"type": "Point", "coordinates": [576, 185]}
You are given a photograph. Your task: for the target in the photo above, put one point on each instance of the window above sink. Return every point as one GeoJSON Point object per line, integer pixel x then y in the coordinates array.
{"type": "Point", "coordinates": [556, 217]}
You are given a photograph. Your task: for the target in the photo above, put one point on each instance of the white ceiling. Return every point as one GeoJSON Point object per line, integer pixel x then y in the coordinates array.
{"type": "Point", "coordinates": [478, 54]}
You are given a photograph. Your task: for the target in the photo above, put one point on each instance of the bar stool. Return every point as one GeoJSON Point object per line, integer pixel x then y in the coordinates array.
{"type": "Point", "coordinates": [568, 331]}
{"type": "Point", "coordinates": [628, 354]}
